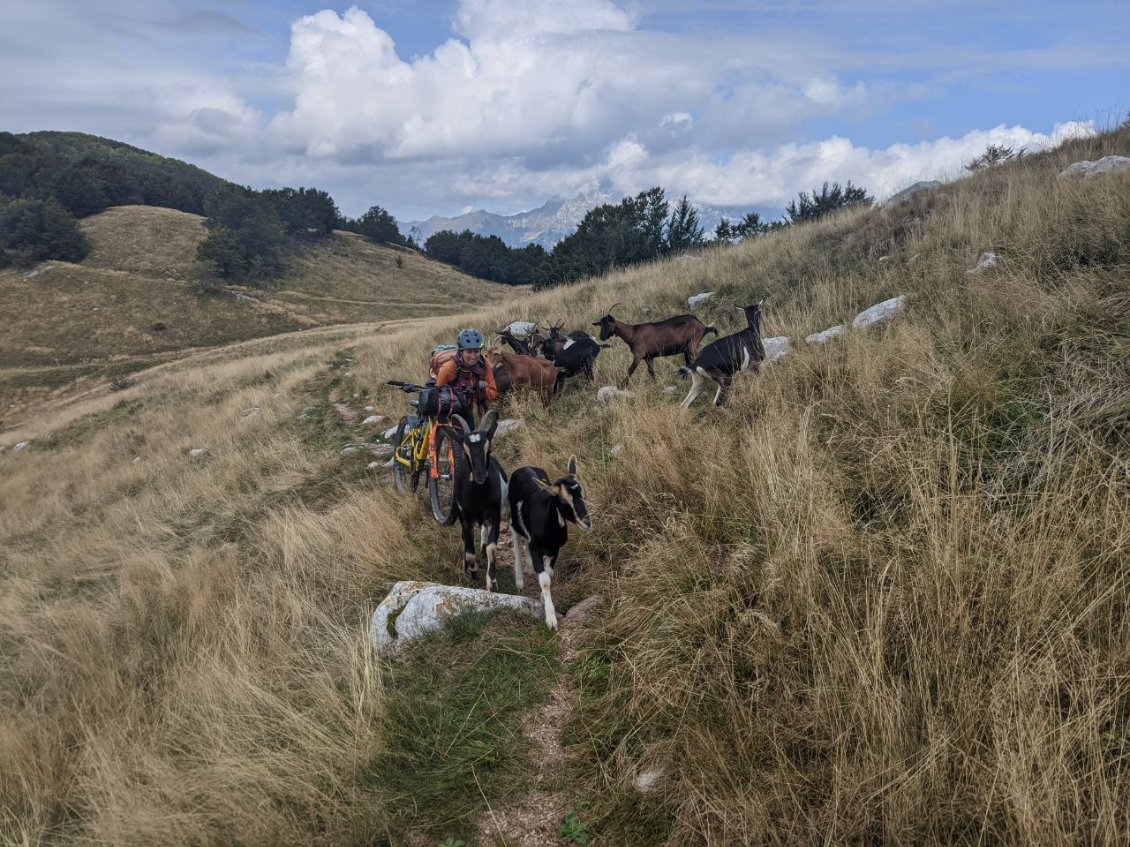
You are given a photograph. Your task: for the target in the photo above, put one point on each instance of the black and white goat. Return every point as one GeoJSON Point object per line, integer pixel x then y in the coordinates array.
{"type": "Point", "coordinates": [480, 494]}
{"type": "Point", "coordinates": [722, 359]}
{"type": "Point", "coordinates": [540, 514]}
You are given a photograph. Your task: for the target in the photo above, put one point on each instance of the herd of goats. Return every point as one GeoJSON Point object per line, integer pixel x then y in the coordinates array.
{"type": "Point", "coordinates": [539, 511]}
{"type": "Point", "coordinates": [541, 362]}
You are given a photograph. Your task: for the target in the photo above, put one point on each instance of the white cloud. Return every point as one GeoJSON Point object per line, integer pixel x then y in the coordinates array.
{"type": "Point", "coordinates": [530, 77]}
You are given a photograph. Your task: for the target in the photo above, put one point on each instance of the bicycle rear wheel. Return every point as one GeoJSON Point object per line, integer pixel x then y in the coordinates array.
{"type": "Point", "coordinates": [441, 487]}
{"type": "Point", "coordinates": [405, 470]}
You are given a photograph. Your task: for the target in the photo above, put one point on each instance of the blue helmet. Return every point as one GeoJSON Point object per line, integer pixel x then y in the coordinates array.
{"type": "Point", "coordinates": [470, 339]}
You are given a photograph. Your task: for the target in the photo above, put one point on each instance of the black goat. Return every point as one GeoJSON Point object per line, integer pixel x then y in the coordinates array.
{"type": "Point", "coordinates": [540, 514]}
{"type": "Point", "coordinates": [514, 343]}
{"type": "Point", "coordinates": [721, 359]}
{"type": "Point", "coordinates": [680, 334]}
{"type": "Point", "coordinates": [480, 493]}
{"type": "Point", "coordinates": [575, 352]}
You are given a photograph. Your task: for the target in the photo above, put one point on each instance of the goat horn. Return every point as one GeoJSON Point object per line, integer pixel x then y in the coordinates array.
{"type": "Point", "coordinates": [463, 424]}
{"type": "Point", "coordinates": [487, 420]}
{"type": "Point", "coordinates": [608, 311]}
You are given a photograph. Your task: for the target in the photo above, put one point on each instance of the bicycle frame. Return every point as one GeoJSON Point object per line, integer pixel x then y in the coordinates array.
{"type": "Point", "coordinates": [424, 447]}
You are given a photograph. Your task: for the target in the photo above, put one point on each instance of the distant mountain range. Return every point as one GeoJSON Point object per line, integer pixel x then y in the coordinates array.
{"type": "Point", "coordinates": [550, 222]}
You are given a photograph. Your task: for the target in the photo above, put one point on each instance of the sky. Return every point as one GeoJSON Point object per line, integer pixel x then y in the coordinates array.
{"type": "Point", "coordinates": [442, 107]}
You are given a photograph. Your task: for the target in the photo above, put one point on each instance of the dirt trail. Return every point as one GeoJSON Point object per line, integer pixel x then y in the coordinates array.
{"type": "Point", "coordinates": [533, 820]}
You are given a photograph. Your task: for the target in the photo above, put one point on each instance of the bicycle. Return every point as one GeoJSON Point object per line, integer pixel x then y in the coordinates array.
{"type": "Point", "coordinates": [422, 445]}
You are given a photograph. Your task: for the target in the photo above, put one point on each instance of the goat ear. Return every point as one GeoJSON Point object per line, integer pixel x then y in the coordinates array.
{"type": "Point", "coordinates": [572, 470]}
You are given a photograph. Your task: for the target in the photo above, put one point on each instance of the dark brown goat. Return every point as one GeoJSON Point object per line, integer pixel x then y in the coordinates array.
{"type": "Point", "coordinates": [680, 334]}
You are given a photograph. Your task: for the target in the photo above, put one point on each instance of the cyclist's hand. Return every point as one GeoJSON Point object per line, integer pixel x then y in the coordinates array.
{"type": "Point", "coordinates": [482, 385]}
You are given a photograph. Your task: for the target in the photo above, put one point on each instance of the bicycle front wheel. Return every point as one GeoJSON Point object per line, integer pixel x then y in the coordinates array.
{"type": "Point", "coordinates": [441, 484]}
{"type": "Point", "coordinates": [405, 470]}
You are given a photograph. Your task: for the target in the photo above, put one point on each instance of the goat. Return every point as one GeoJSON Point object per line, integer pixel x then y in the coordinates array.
{"type": "Point", "coordinates": [526, 371]}
{"type": "Point", "coordinates": [721, 359]}
{"type": "Point", "coordinates": [540, 514]}
{"type": "Point", "coordinates": [575, 352]}
{"type": "Point", "coordinates": [522, 348]}
{"type": "Point", "coordinates": [481, 490]}
{"type": "Point", "coordinates": [680, 334]}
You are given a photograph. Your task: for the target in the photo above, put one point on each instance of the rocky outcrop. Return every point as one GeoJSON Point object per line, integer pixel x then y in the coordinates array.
{"type": "Point", "coordinates": [987, 260]}
{"type": "Point", "coordinates": [776, 348]}
{"type": "Point", "coordinates": [694, 300]}
{"type": "Point", "coordinates": [608, 393]}
{"type": "Point", "coordinates": [911, 191]}
{"type": "Point", "coordinates": [413, 609]}
{"type": "Point", "coordinates": [880, 313]}
{"type": "Point", "coordinates": [1100, 167]}
{"type": "Point", "coordinates": [825, 336]}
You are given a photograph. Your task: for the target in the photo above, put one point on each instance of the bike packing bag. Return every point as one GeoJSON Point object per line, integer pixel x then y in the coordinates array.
{"type": "Point", "coordinates": [441, 402]}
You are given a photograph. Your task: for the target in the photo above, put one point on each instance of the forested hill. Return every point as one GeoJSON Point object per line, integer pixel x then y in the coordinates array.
{"type": "Point", "coordinates": [86, 174]}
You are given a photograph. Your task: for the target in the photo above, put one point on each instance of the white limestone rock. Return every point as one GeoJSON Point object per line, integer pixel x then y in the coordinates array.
{"type": "Point", "coordinates": [507, 425]}
{"type": "Point", "coordinates": [389, 433]}
{"type": "Point", "coordinates": [20, 446]}
{"type": "Point", "coordinates": [372, 420]}
{"type": "Point", "coordinates": [608, 393]}
{"type": "Point", "coordinates": [776, 348]}
{"type": "Point", "coordinates": [825, 336]}
{"type": "Point", "coordinates": [1100, 167]}
{"type": "Point", "coordinates": [911, 191]}
{"type": "Point", "coordinates": [880, 313]}
{"type": "Point", "coordinates": [694, 300]}
{"type": "Point", "coordinates": [197, 452]}
{"type": "Point", "coordinates": [987, 260]}
{"type": "Point", "coordinates": [616, 450]}
{"type": "Point", "coordinates": [646, 781]}
{"type": "Point", "coordinates": [249, 413]}
{"type": "Point", "coordinates": [412, 609]}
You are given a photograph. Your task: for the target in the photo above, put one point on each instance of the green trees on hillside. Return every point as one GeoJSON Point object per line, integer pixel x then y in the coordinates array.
{"type": "Point", "coordinates": [637, 229]}
{"type": "Point", "coordinates": [34, 230]}
{"type": "Point", "coordinates": [747, 227]}
{"type": "Point", "coordinates": [826, 201]}
{"type": "Point", "coordinates": [487, 257]}
{"type": "Point", "coordinates": [246, 235]}
{"type": "Point", "coordinates": [378, 226]}
{"type": "Point", "coordinates": [304, 211]}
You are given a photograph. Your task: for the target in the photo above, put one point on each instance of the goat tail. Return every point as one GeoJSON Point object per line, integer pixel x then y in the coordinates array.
{"type": "Point", "coordinates": [710, 329]}
{"type": "Point", "coordinates": [685, 372]}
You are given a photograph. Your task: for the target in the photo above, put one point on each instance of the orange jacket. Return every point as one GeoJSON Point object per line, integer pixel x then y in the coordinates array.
{"type": "Point", "coordinates": [449, 375]}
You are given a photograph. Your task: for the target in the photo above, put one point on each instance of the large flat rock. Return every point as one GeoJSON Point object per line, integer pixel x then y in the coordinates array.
{"type": "Point", "coordinates": [413, 608]}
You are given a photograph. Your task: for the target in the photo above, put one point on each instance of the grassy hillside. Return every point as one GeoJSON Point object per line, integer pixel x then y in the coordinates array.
{"type": "Point", "coordinates": [136, 301]}
{"type": "Point", "coordinates": [879, 598]}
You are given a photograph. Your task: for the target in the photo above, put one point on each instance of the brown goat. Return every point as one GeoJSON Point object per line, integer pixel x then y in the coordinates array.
{"type": "Point", "coordinates": [680, 334]}
{"type": "Point", "coordinates": [526, 371]}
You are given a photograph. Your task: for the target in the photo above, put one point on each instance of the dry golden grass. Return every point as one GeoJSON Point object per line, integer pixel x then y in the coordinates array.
{"type": "Point", "coordinates": [879, 598]}
{"type": "Point", "coordinates": [135, 301]}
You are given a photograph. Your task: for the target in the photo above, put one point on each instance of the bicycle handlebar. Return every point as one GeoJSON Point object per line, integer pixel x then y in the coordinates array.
{"type": "Point", "coordinates": [406, 387]}
{"type": "Point", "coordinates": [410, 387]}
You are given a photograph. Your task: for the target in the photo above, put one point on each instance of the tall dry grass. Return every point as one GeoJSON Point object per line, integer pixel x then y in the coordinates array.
{"type": "Point", "coordinates": [878, 598]}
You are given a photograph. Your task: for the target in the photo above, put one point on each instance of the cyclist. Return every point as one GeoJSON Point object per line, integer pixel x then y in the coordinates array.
{"type": "Point", "coordinates": [469, 374]}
